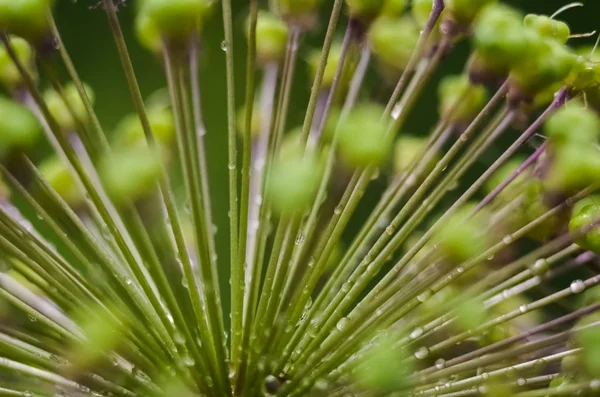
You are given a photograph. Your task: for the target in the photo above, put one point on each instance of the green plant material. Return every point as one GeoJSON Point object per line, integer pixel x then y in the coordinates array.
{"type": "Point", "coordinates": [573, 124]}
{"type": "Point", "coordinates": [464, 11]}
{"type": "Point", "coordinates": [460, 101]}
{"type": "Point", "coordinates": [331, 67]}
{"type": "Point", "coordinates": [20, 130]}
{"type": "Point", "coordinates": [583, 215]}
{"type": "Point", "coordinates": [68, 116]}
{"type": "Point", "coordinates": [589, 339]}
{"type": "Point", "coordinates": [147, 32]}
{"type": "Point", "coordinates": [129, 131]}
{"type": "Point", "coordinates": [175, 19]}
{"type": "Point", "coordinates": [574, 167]}
{"type": "Point", "coordinates": [362, 137]}
{"type": "Point", "coordinates": [548, 28]}
{"type": "Point", "coordinates": [271, 37]}
{"type": "Point", "coordinates": [364, 9]}
{"type": "Point", "coordinates": [393, 40]}
{"type": "Point", "coordinates": [407, 149]}
{"type": "Point", "coordinates": [516, 186]}
{"type": "Point", "coordinates": [25, 18]}
{"type": "Point", "coordinates": [60, 178]}
{"type": "Point", "coordinates": [129, 173]}
{"type": "Point", "coordinates": [463, 236]}
{"type": "Point", "coordinates": [297, 9]}
{"type": "Point", "coordinates": [394, 8]}
{"type": "Point", "coordinates": [9, 74]}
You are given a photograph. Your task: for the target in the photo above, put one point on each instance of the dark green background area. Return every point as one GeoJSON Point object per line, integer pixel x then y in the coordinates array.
{"type": "Point", "coordinates": [89, 41]}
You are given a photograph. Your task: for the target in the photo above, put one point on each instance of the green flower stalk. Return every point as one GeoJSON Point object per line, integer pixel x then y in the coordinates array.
{"type": "Point", "coordinates": [362, 260]}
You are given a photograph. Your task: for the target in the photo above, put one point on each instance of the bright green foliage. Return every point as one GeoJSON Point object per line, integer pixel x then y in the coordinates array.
{"type": "Point", "coordinates": [298, 8]}
{"type": "Point", "coordinates": [68, 116]}
{"type": "Point", "coordinates": [500, 38]}
{"type": "Point", "coordinates": [548, 28]}
{"type": "Point", "coordinates": [147, 32]}
{"type": "Point", "coordinates": [175, 19]}
{"type": "Point", "coordinates": [516, 186]}
{"type": "Point", "coordinates": [331, 67]}
{"type": "Point", "coordinates": [574, 167]}
{"type": "Point", "coordinates": [19, 128]}
{"type": "Point", "coordinates": [464, 11]}
{"type": "Point", "coordinates": [60, 178]}
{"type": "Point", "coordinates": [103, 334]}
{"type": "Point", "coordinates": [407, 149]}
{"type": "Point", "coordinates": [362, 137]}
{"type": "Point", "coordinates": [420, 10]}
{"type": "Point", "coordinates": [589, 339]}
{"type": "Point", "coordinates": [130, 132]}
{"type": "Point", "coordinates": [9, 73]}
{"type": "Point", "coordinates": [383, 367]}
{"type": "Point", "coordinates": [129, 173]}
{"type": "Point", "coordinates": [294, 182]}
{"type": "Point", "coordinates": [393, 8]}
{"type": "Point", "coordinates": [582, 217]}
{"type": "Point", "coordinates": [25, 18]}
{"type": "Point", "coordinates": [460, 101]}
{"type": "Point", "coordinates": [573, 124]}
{"type": "Point", "coordinates": [271, 37]}
{"type": "Point", "coordinates": [393, 40]}
{"type": "Point", "coordinates": [364, 9]}
{"type": "Point", "coordinates": [463, 236]}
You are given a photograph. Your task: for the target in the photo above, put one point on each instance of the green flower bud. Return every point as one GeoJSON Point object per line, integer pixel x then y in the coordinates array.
{"type": "Point", "coordinates": [407, 150]}
{"type": "Point", "coordinates": [271, 37]}
{"type": "Point", "coordinates": [298, 9]}
{"type": "Point", "coordinates": [60, 111]}
{"type": "Point", "coordinates": [393, 8]}
{"type": "Point", "coordinates": [393, 40]}
{"type": "Point", "coordinates": [549, 28]}
{"type": "Point", "coordinates": [129, 131]}
{"type": "Point", "coordinates": [255, 124]}
{"type": "Point", "coordinates": [504, 172]}
{"type": "Point", "coordinates": [470, 314]}
{"type": "Point", "coordinates": [460, 101]}
{"type": "Point", "coordinates": [574, 167]}
{"type": "Point", "coordinates": [548, 63]}
{"type": "Point", "coordinates": [25, 18]}
{"type": "Point", "coordinates": [534, 206]}
{"type": "Point", "coordinates": [421, 10]}
{"type": "Point", "coordinates": [19, 131]}
{"type": "Point", "coordinates": [462, 236]}
{"type": "Point", "coordinates": [545, 97]}
{"type": "Point", "coordinates": [362, 137]}
{"type": "Point", "coordinates": [147, 32]}
{"type": "Point", "coordinates": [9, 74]}
{"type": "Point", "coordinates": [59, 177]}
{"type": "Point", "coordinates": [464, 11]}
{"type": "Point", "coordinates": [364, 9]}
{"type": "Point", "coordinates": [382, 367]}
{"type": "Point", "coordinates": [589, 339]}
{"type": "Point", "coordinates": [573, 124]}
{"type": "Point", "coordinates": [499, 35]}
{"type": "Point", "coordinates": [177, 19]}
{"type": "Point", "coordinates": [293, 183]}
{"type": "Point", "coordinates": [593, 199]}
{"type": "Point", "coordinates": [584, 217]}
{"type": "Point", "coordinates": [331, 124]}
{"type": "Point", "coordinates": [584, 75]}
{"type": "Point", "coordinates": [129, 173]}
{"type": "Point", "coordinates": [331, 67]}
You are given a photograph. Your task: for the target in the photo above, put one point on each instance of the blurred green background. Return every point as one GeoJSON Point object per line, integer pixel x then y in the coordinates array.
{"type": "Point", "coordinates": [87, 37]}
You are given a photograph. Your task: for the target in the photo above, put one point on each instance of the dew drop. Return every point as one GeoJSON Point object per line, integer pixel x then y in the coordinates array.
{"type": "Point", "coordinates": [224, 45]}
{"type": "Point", "coordinates": [440, 363]}
{"type": "Point", "coordinates": [507, 239]}
{"type": "Point", "coordinates": [577, 286]}
{"type": "Point", "coordinates": [390, 230]}
{"type": "Point", "coordinates": [231, 166]}
{"type": "Point", "coordinates": [417, 332]}
{"type": "Point", "coordinates": [539, 267]}
{"type": "Point", "coordinates": [342, 323]}
{"type": "Point", "coordinates": [422, 353]}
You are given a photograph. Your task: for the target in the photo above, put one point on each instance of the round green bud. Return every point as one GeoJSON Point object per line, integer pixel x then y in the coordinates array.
{"type": "Point", "coordinates": [60, 178]}
{"type": "Point", "coordinates": [393, 40]}
{"type": "Point", "coordinates": [9, 74]}
{"type": "Point", "coordinates": [409, 149]}
{"type": "Point", "coordinates": [585, 74]}
{"type": "Point", "coordinates": [584, 217]}
{"type": "Point", "coordinates": [364, 9]}
{"type": "Point", "coordinates": [362, 138]}
{"type": "Point", "coordinates": [147, 32]}
{"type": "Point", "coordinates": [546, 96]}
{"type": "Point", "coordinates": [504, 172]}
{"type": "Point", "coordinates": [460, 101]}
{"type": "Point", "coordinates": [499, 37]}
{"type": "Point", "coordinates": [271, 37]}
{"type": "Point", "coordinates": [470, 314]}
{"type": "Point", "coordinates": [393, 8]}
{"type": "Point", "coordinates": [573, 124]}
{"type": "Point", "coordinates": [25, 18]}
{"type": "Point", "coordinates": [574, 167]}
{"type": "Point", "coordinates": [548, 28]}
{"type": "Point", "coordinates": [333, 60]}
{"type": "Point", "coordinates": [331, 124]}
{"type": "Point", "coordinates": [129, 131]}
{"type": "Point", "coordinates": [298, 9]}
{"type": "Point", "coordinates": [293, 183]}
{"type": "Point", "coordinates": [19, 131]}
{"type": "Point", "coordinates": [464, 11]}
{"type": "Point", "coordinates": [61, 112]}
{"type": "Point", "coordinates": [254, 125]}
{"type": "Point", "coordinates": [588, 338]}
{"type": "Point", "coordinates": [177, 19]}
{"type": "Point", "coordinates": [462, 236]}
{"type": "Point", "coordinates": [421, 10]}
{"type": "Point", "coordinates": [548, 63]}
{"type": "Point", "coordinates": [593, 199]}
{"type": "Point", "coordinates": [533, 206]}
{"type": "Point", "coordinates": [129, 173]}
